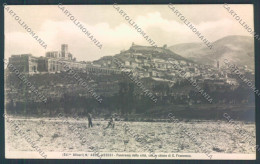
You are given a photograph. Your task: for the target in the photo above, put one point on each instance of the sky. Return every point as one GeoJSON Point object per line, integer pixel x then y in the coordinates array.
{"type": "Point", "coordinates": [113, 31]}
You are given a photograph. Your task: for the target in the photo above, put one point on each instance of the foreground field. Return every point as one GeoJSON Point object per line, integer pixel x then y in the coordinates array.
{"type": "Point", "coordinates": [54, 134]}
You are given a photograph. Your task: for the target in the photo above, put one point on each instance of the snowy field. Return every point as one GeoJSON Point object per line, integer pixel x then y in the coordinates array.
{"type": "Point", "coordinates": [54, 134]}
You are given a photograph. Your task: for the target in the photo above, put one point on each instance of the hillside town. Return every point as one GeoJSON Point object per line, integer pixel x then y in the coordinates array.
{"type": "Point", "coordinates": [153, 67]}
{"type": "Point", "coordinates": [142, 61]}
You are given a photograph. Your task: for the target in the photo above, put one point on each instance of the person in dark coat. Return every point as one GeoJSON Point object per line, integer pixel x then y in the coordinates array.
{"type": "Point", "coordinates": [90, 120]}
{"type": "Point", "coordinates": [111, 122]}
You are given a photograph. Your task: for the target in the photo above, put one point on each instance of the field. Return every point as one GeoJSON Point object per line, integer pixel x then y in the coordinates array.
{"type": "Point", "coordinates": [53, 134]}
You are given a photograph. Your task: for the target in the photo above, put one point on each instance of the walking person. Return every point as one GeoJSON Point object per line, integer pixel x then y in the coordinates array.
{"type": "Point", "coordinates": [90, 120]}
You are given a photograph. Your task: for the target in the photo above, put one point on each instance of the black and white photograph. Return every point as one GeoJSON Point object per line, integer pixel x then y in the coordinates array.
{"type": "Point", "coordinates": [113, 81]}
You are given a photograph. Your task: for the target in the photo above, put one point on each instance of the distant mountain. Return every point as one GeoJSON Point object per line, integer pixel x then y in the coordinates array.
{"type": "Point", "coordinates": [237, 49]}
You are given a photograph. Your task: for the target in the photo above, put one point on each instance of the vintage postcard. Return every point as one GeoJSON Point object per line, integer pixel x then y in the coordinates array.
{"type": "Point", "coordinates": [130, 81]}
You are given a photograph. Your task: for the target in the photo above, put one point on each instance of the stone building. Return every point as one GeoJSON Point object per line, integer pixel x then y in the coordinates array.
{"type": "Point", "coordinates": [55, 61]}
{"type": "Point", "coordinates": [25, 63]}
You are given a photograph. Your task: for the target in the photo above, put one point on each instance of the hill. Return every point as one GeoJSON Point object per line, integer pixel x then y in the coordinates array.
{"type": "Point", "coordinates": [237, 49]}
{"type": "Point", "coordinates": [147, 52]}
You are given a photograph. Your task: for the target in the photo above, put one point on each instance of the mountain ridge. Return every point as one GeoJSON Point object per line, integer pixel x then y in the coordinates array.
{"type": "Point", "coordinates": [237, 49]}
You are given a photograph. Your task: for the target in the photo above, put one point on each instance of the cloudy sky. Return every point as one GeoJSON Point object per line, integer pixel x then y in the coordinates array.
{"type": "Point", "coordinates": [113, 31]}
